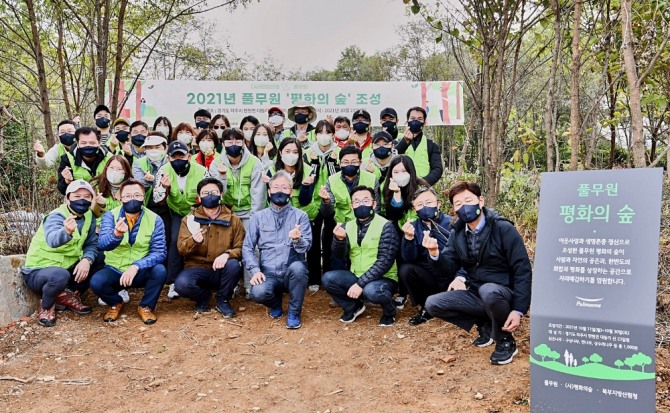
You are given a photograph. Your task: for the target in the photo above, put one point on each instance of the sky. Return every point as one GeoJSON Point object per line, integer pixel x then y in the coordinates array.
{"type": "Point", "coordinates": [309, 34]}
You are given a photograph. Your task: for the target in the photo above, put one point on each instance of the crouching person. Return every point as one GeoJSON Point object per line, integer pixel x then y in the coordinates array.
{"type": "Point", "coordinates": [370, 243]}
{"type": "Point", "coordinates": [210, 239]}
{"type": "Point", "coordinates": [62, 254]}
{"type": "Point", "coordinates": [282, 234]}
{"type": "Point", "coordinates": [133, 239]}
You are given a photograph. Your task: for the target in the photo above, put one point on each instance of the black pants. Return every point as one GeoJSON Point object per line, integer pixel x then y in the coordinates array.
{"type": "Point", "coordinates": [320, 253]}
{"type": "Point", "coordinates": [175, 262]}
{"type": "Point", "coordinates": [164, 212]}
{"type": "Point", "coordinates": [420, 283]}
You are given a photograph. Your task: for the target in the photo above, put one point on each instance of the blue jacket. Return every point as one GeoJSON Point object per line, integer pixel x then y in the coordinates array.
{"type": "Point", "coordinates": [413, 252]}
{"type": "Point", "coordinates": [107, 241]}
{"type": "Point", "coordinates": [268, 231]}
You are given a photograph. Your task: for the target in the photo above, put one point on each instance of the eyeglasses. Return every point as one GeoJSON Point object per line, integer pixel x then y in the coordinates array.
{"type": "Point", "coordinates": [213, 192]}
{"type": "Point", "coordinates": [419, 205]}
{"type": "Point", "coordinates": [223, 127]}
{"type": "Point", "coordinates": [280, 188]}
{"type": "Point", "coordinates": [233, 142]}
{"type": "Point", "coordinates": [359, 202]}
{"type": "Point", "coordinates": [136, 196]}
{"type": "Point", "coordinates": [352, 163]}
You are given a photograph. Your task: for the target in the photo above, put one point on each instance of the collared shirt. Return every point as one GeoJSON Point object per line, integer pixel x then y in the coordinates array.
{"type": "Point", "coordinates": [478, 228]}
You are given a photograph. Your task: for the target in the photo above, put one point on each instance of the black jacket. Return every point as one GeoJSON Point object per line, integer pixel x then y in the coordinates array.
{"type": "Point", "coordinates": [65, 162]}
{"type": "Point", "coordinates": [386, 254]}
{"type": "Point", "coordinates": [502, 260]}
{"type": "Point", "coordinates": [434, 157]}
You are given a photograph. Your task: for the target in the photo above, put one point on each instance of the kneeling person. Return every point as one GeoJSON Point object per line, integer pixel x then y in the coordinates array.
{"type": "Point", "coordinates": [133, 239]}
{"type": "Point", "coordinates": [283, 235]}
{"type": "Point", "coordinates": [210, 239]}
{"type": "Point", "coordinates": [371, 243]}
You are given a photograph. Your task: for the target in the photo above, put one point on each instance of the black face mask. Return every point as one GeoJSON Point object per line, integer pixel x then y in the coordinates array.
{"type": "Point", "coordinates": [132, 207]}
{"type": "Point", "coordinates": [391, 128]}
{"type": "Point", "coordinates": [102, 123]}
{"type": "Point", "coordinates": [203, 124]}
{"type": "Point", "coordinates": [138, 140]}
{"type": "Point", "coordinates": [363, 211]}
{"type": "Point", "coordinates": [415, 126]}
{"type": "Point", "coordinates": [279, 198]}
{"type": "Point", "coordinates": [180, 166]}
{"type": "Point", "coordinates": [233, 151]}
{"type": "Point", "coordinates": [122, 136]}
{"type": "Point", "coordinates": [67, 139]}
{"type": "Point", "coordinates": [382, 152]}
{"type": "Point", "coordinates": [88, 151]}
{"type": "Point", "coordinates": [360, 127]}
{"type": "Point", "coordinates": [301, 118]}
{"type": "Point", "coordinates": [350, 170]}
{"type": "Point", "coordinates": [80, 206]}
{"type": "Point", "coordinates": [210, 201]}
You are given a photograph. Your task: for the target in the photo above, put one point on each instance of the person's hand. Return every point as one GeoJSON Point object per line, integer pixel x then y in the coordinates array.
{"type": "Point", "coordinates": [302, 137]}
{"type": "Point", "coordinates": [198, 237]}
{"type": "Point", "coordinates": [408, 135]}
{"type": "Point", "coordinates": [269, 146]}
{"type": "Point", "coordinates": [120, 228]}
{"type": "Point", "coordinates": [352, 137]}
{"type": "Point", "coordinates": [430, 244]}
{"type": "Point", "coordinates": [70, 225]}
{"type": "Point", "coordinates": [220, 261]}
{"type": "Point", "coordinates": [113, 142]}
{"type": "Point", "coordinates": [330, 120]}
{"type": "Point", "coordinates": [323, 193]}
{"type": "Point", "coordinates": [126, 148]}
{"type": "Point", "coordinates": [148, 177]}
{"type": "Point", "coordinates": [513, 321]}
{"type": "Point", "coordinates": [456, 285]}
{"type": "Point", "coordinates": [222, 169]}
{"type": "Point", "coordinates": [258, 278]}
{"type": "Point", "coordinates": [66, 173]}
{"type": "Point", "coordinates": [166, 182]}
{"type": "Point", "coordinates": [370, 167]}
{"type": "Point", "coordinates": [265, 178]}
{"type": "Point", "coordinates": [339, 232]}
{"type": "Point", "coordinates": [76, 120]}
{"type": "Point", "coordinates": [100, 200]}
{"type": "Point", "coordinates": [408, 229]}
{"type": "Point", "coordinates": [309, 180]}
{"type": "Point", "coordinates": [294, 234]}
{"type": "Point", "coordinates": [355, 291]}
{"type": "Point", "coordinates": [39, 149]}
{"type": "Point", "coordinates": [128, 276]}
{"type": "Point", "coordinates": [393, 185]}
{"type": "Point", "coordinates": [81, 270]}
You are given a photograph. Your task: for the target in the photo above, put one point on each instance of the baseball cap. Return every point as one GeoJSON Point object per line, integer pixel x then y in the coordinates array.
{"type": "Point", "coordinates": [382, 134]}
{"type": "Point", "coordinates": [276, 109]}
{"type": "Point", "coordinates": [155, 140]}
{"type": "Point", "coordinates": [100, 108]}
{"type": "Point", "coordinates": [79, 184]}
{"type": "Point", "coordinates": [389, 112]}
{"type": "Point", "coordinates": [121, 120]}
{"type": "Point", "coordinates": [177, 146]}
{"type": "Point", "coordinates": [361, 112]}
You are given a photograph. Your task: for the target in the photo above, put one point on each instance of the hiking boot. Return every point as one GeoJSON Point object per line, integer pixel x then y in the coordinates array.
{"type": "Point", "coordinates": [172, 293]}
{"type": "Point", "coordinates": [505, 351]}
{"type": "Point", "coordinates": [350, 316]}
{"type": "Point", "coordinates": [276, 312]}
{"type": "Point", "coordinates": [293, 321]}
{"type": "Point", "coordinates": [114, 312]}
{"type": "Point", "coordinates": [202, 307]}
{"type": "Point", "coordinates": [386, 321]}
{"type": "Point", "coordinates": [47, 316]}
{"type": "Point", "coordinates": [123, 294]}
{"type": "Point", "coordinates": [484, 338]}
{"type": "Point", "coordinates": [420, 318]}
{"type": "Point", "coordinates": [146, 315]}
{"type": "Point", "coordinates": [400, 302]}
{"type": "Point", "coordinates": [225, 309]}
{"type": "Point", "coordinates": [68, 300]}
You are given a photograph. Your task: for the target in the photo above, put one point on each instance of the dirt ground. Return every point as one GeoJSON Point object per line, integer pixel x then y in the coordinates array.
{"type": "Point", "coordinates": [252, 363]}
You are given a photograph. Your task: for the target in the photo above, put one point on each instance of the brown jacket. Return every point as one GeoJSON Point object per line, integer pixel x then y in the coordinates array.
{"type": "Point", "coordinates": [218, 239]}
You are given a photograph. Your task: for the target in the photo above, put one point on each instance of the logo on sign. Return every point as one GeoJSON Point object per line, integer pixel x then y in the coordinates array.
{"type": "Point", "coordinates": [588, 302]}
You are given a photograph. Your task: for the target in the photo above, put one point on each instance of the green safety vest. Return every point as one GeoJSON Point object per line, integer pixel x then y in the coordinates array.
{"type": "Point", "coordinates": [110, 203]}
{"type": "Point", "coordinates": [311, 135]}
{"type": "Point", "coordinates": [363, 256]}
{"type": "Point", "coordinates": [41, 255]}
{"type": "Point", "coordinates": [238, 192]}
{"type": "Point", "coordinates": [420, 157]}
{"type": "Point", "coordinates": [79, 172]}
{"type": "Point", "coordinates": [61, 150]}
{"type": "Point", "coordinates": [343, 211]}
{"type": "Point", "coordinates": [311, 209]}
{"type": "Point", "coordinates": [124, 255]}
{"type": "Point", "coordinates": [178, 201]}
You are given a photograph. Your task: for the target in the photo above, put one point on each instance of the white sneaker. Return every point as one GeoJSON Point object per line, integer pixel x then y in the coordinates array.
{"type": "Point", "coordinates": [314, 288]}
{"type": "Point", "coordinates": [172, 293]}
{"type": "Point", "coordinates": [123, 294]}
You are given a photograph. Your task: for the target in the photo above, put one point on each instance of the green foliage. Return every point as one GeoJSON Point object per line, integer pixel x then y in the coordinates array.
{"type": "Point", "coordinates": [518, 199]}
{"type": "Point", "coordinates": [596, 358]}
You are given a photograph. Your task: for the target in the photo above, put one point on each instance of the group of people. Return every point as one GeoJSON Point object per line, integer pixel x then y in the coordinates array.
{"type": "Point", "coordinates": [265, 210]}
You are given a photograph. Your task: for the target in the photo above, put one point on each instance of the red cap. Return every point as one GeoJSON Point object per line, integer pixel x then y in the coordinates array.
{"type": "Point", "coordinates": [276, 109]}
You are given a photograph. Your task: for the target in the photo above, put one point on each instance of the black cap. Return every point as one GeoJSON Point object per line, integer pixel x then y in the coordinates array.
{"type": "Point", "coordinates": [361, 112]}
{"type": "Point", "coordinates": [389, 112]}
{"type": "Point", "coordinates": [100, 108]}
{"type": "Point", "coordinates": [382, 134]}
{"type": "Point", "coordinates": [177, 146]}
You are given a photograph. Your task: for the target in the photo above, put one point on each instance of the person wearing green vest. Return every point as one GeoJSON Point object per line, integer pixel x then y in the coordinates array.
{"type": "Point", "coordinates": [135, 149]}
{"type": "Point", "coordinates": [133, 239]}
{"type": "Point", "coordinates": [276, 119]}
{"type": "Point", "coordinates": [241, 174]}
{"type": "Point", "coordinates": [118, 142]}
{"type": "Point", "coordinates": [48, 159]}
{"type": "Point", "coordinates": [424, 152]}
{"type": "Point", "coordinates": [361, 137]}
{"type": "Point", "coordinates": [381, 156]}
{"type": "Point", "coordinates": [85, 161]}
{"type": "Point", "coordinates": [302, 113]}
{"type": "Point", "coordinates": [179, 180]}
{"type": "Point", "coordinates": [369, 243]}
{"type": "Point", "coordinates": [62, 254]}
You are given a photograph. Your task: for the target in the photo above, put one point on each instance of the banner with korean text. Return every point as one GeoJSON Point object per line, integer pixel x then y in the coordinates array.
{"type": "Point", "coordinates": [594, 292]}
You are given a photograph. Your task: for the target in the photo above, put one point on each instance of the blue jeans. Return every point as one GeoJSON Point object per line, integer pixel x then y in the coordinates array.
{"type": "Point", "coordinates": [293, 281]}
{"type": "Point", "coordinates": [196, 283]}
{"type": "Point", "coordinates": [337, 283]}
{"type": "Point", "coordinates": [105, 283]}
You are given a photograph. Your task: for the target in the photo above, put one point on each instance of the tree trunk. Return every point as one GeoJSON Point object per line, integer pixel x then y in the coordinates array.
{"type": "Point", "coordinates": [612, 111]}
{"type": "Point", "coordinates": [118, 60]}
{"type": "Point", "coordinates": [575, 121]}
{"type": "Point", "coordinates": [61, 67]}
{"type": "Point", "coordinates": [551, 87]}
{"type": "Point", "coordinates": [636, 125]}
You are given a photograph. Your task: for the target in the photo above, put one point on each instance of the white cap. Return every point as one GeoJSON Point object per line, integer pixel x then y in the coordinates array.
{"type": "Point", "coordinates": [154, 140]}
{"type": "Point", "coordinates": [79, 184]}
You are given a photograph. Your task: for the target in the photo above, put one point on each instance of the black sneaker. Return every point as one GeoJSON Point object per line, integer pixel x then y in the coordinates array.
{"type": "Point", "coordinates": [505, 351]}
{"type": "Point", "coordinates": [350, 316]}
{"type": "Point", "coordinates": [399, 302]}
{"type": "Point", "coordinates": [202, 307]}
{"type": "Point", "coordinates": [484, 339]}
{"type": "Point", "coordinates": [386, 321]}
{"type": "Point", "coordinates": [420, 318]}
{"type": "Point", "coordinates": [225, 309]}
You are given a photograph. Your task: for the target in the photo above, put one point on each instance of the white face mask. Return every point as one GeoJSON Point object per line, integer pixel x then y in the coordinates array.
{"type": "Point", "coordinates": [324, 139]}
{"type": "Point", "coordinates": [155, 155]}
{"type": "Point", "coordinates": [290, 159]}
{"type": "Point", "coordinates": [247, 134]}
{"type": "Point", "coordinates": [163, 129]}
{"type": "Point", "coordinates": [401, 178]}
{"type": "Point", "coordinates": [185, 138]}
{"type": "Point", "coordinates": [206, 146]}
{"type": "Point", "coordinates": [342, 134]}
{"type": "Point", "coordinates": [115, 177]}
{"type": "Point", "coordinates": [276, 120]}
{"type": "Point", "coordinates": [219, 132]}
{"type": "Point", "coordinates": [261, 140]}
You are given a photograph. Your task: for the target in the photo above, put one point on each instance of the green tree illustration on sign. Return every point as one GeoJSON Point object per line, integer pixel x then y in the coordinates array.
{"type": "Point", "coordinates": [596, 358]}
{"type": "Point", "coordinates": [544, 351]}
{"type": "Point", "coordinates": [619, 364]}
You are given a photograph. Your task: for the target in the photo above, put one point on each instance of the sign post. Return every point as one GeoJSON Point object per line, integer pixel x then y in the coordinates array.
{"type": "Point", "coordinates": [594, 292]}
